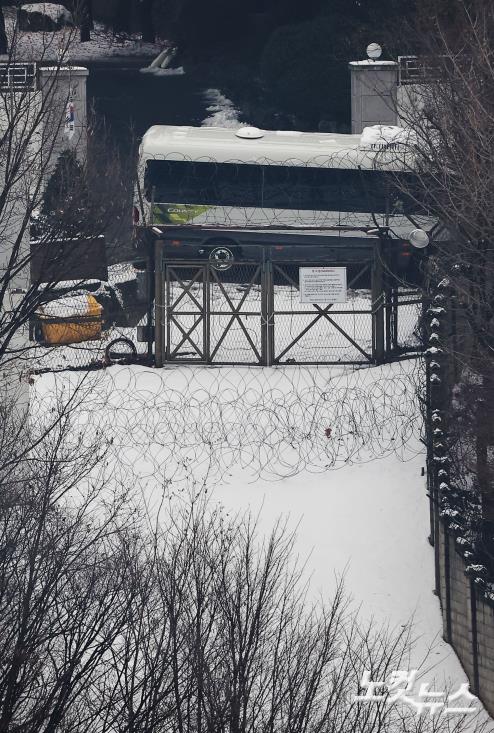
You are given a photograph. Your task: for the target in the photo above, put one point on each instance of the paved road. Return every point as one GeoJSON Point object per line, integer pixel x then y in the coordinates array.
{"type": "Point", "coordinates": [131, 100]}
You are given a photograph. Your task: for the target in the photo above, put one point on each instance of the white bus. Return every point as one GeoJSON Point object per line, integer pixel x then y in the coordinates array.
{"type": "Point", "coordinates": [253, 179]}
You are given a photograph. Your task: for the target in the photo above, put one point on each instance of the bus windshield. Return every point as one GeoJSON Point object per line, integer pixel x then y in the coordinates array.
{"type": "Point", "coordinates": [275, 187]}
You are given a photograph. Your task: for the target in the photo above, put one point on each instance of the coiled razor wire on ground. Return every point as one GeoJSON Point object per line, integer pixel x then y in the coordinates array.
{"type": "Point", "coordinates": [197, 425]}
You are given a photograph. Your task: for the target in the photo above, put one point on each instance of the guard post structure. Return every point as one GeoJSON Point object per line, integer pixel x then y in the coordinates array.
{"type": "Point", "coordinates": [373, 93]}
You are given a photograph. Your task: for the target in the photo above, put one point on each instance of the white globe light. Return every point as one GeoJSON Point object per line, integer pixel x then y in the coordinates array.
{"type": "Point", "coordinates": [419, 239]}
{"type": "Point", "coordinates": [374, 51]}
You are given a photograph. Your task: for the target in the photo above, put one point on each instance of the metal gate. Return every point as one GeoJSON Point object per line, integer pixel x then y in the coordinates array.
{"type": "Point", "coordinates": [214, 316]}
{"type": "Point", "coordinates": [340, 333]}
{"type": "Point", "coordinates": [251, 313]}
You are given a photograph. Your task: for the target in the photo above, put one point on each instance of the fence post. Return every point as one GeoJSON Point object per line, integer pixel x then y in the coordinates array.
{"type": "Point", "coordinates": [378, 349]}
{"type": "Point", "coordinates": [447, 584]}
{"type": "Point", "coordinates": [475, 651]}
{"type": "Point", "coordinates": [267, 316]}
{"type": "Point", "coordinates": [150, 280]}
{"type": "Point", "coordinates": [432, 468]}
{"type": "Point", "coordinates": [206, 313]}
{"type": "Point", "coordinates": [395, 309]}
{"type": "Point", "coordinates": [158, 304]}
{"type": "Point", "coordinates": [270, 308]}
{"type": "Point", "coordinates": [388, 315]}
{"type": "Point", "coordinates": [437, 376]}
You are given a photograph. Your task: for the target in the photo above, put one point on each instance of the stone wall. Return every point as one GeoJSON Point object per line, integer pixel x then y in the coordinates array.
{"type": "Point", "coordinates": [468, 618]}
{"type": "Point", "coordinates": [464, 580]}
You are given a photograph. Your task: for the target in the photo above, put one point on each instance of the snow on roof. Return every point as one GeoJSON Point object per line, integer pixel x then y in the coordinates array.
{"type": "Point", "coordinates": [157, 71]}
{"type": "Point", "coordinates": [82, 70]}
{"type": "Point", "coordinates": [51, 10]}
{"type": "Point", "coordinates": [68, 306]}
{"type": "Point", "coordinates": [371, 62]}
{"type": "Point", "coordinates": [390, 142]}
{"type": "Point", "coordinates": [384, 135]}
{"type": "Point", "coordinates": [44, 46]}
{"type": "Point", "coordinates": [222, 111]}
{"type": "Point", "coordinates": [222, 145]}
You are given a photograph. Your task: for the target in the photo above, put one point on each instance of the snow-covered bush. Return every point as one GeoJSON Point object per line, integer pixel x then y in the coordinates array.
{"type": "Point", "coordinates": [44, 17]}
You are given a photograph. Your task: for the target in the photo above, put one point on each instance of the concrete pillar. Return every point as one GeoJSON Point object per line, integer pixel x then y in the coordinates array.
{"type": "Point", "coordinates": [63, 91]}
{"type": "Point", "coordinates": [373, 90]}
{"type": "Point", "coordinates": [39, 102]}
{"type": "Point", "coordinates": [20, 121]}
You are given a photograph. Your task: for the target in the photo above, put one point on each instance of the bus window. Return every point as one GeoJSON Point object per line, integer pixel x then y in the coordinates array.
{"type": "Point", "coordinates": [237, 185]}
{"type": "Point", "coordinates": [267, 186]}
{"type": "Point", "coordinates": [406, 196]}
{"type": "Point", "coordinates": [299, 187]}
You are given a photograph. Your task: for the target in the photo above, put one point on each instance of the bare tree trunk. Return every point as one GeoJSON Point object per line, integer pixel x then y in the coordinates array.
{"type": "Point", "coordinates": [86, 20]}
{"type": "Point", "coordinates": [122, 19]}
{"type": "Point", "coordinates": [147, 24]}
{"type": "Point", "coordinates": [3, 34]}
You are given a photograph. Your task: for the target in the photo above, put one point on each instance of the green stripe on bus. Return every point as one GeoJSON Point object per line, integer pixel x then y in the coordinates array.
{"type": "Point", "coordinates": [177, 213]}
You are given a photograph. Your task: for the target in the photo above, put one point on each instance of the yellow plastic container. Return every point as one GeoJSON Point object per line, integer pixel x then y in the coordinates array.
{"type": "Point", "coordinates": [82, 324]}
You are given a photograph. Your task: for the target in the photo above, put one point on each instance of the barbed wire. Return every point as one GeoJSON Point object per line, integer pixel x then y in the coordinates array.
{"type": "Point", "coordinates": [344, 188]}
{"type": "Point", "coordinates": [197, 425]}
{"type": "Point", "coordinates": [186, 425]}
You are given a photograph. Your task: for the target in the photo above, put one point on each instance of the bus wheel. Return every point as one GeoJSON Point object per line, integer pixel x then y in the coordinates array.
{"type": "Point", "coordinates": [120, 351]}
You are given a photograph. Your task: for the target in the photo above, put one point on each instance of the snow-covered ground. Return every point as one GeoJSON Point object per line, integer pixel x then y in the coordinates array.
{"type": "Point", "coordinates": [222, 111]}
{"type": "Point", "coordinates": [65, 44]}
{"type": "Point", "coordinates": [337, 451]}
{"type": "Point", "coordinates": [157, 71]}
{"type": "Point", "coordinates": [55, 12]}
{"type": "Point", "coordinates": [258, 438]}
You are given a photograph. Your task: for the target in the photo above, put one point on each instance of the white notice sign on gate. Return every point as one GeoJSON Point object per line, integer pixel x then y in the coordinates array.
{"type": "Point", "coordinates": [322, 285]}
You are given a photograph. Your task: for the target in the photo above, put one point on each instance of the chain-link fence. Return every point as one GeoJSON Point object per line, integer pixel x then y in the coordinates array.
{"type": "Point", "coordinates": [404, 307]}
{"type": "Point", "coordinates": [259, 311]}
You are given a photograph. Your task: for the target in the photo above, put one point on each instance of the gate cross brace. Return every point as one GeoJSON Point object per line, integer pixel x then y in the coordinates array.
{"type": "Point", "coordinates": [186, 289]}
{"type": "Point", "coordinates": [323, 312]}
{"type": "Point", "coordinates": [235, 313]}
{"type": "Point", "coordinates": [186, 334]}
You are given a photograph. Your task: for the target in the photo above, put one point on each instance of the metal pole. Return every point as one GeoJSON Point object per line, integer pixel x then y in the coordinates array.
{"type": "Point", "coordinates": [475, 650]}
{"type": "Point", "coordinates": [264, 312]}
{"type": "Point", "coordinates": [270, 314]}
{"type": "Point", "coordinates": [447, 585]}
{"type": "Point", "coordinates": [206, 313]}
{"type": "Point", "coordinates": [150, 276]}
{"type": "Point", "coordinates": [158, 304]}
{"type": "Point", "coordinates": [267, 327]}
{"type": "Point", "coordinates": [377, 305]}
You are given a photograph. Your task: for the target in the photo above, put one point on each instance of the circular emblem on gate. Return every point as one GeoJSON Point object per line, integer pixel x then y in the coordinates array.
{"type": "Point", "coordinates": [221, 258]}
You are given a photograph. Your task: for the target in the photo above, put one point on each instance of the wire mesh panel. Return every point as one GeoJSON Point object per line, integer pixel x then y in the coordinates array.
{"type": "Point", "coordinates": [235, 314]}
{"type": "Point", "coordinates": [319, 333]}
{"type": "Point", "coordinates": [213, 313]}
{"type": "Point", "coordinates": [186, 298]}
{"type": "Point", "coordinates": [404, 308]}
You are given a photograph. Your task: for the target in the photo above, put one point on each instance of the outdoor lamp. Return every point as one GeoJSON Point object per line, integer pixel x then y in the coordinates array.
{"type": "Point", "coordinates": [374, 51]}
{"type": "Point", "coordinates": [418, 238]}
